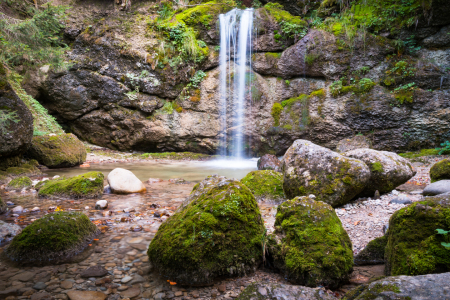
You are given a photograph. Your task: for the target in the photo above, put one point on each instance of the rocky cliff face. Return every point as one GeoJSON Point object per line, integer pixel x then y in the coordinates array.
{"type": "Point", "coordinates": [122, 93]}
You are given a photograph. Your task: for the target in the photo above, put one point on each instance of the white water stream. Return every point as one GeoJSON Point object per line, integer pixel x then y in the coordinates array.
{"type": "Point", "coordinates": [236, 28]}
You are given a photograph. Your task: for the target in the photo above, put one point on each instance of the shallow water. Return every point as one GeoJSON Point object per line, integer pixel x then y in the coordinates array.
{"type": "Point", "coordinates": [194, 171]}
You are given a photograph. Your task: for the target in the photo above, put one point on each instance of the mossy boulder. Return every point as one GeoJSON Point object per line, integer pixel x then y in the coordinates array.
{"type": "Point", "coordinates": [217, 232]}
{"type": "Point", "coordinates": [19, 183]}
{"type": "Point", "coordinates": [24, 169]}
{"type": "Point", "coordinates": [52, 239]}
{"type": "Point", "coordinates": [387, 170]}
{"type": "Point", "coordinates": [58, 151]}
{"type": "Point", "coordinates": [413, 246]}
{"type": "Point", "coordinates": [265, 185]}
{"type": "Point", "coordinates": [440, 170]}
{"type": "Point", "coordinates": [88, 185]}
{"type": "Point", "coordinates": [332, 178]}
{"type": "Point", "coordinates": [309, 244]}
{"type": "Point", "coordinates": [373, 253]}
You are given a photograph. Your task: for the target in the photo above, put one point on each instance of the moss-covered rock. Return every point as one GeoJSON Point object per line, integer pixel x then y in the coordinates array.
{"type": "Point", "coordinates": [24, 169]}
{"type": "Point", "coordinates": [88, 185]}
{"type": "Point", "coordinates": [217, 232]}
{"type": "Point", "coordinates": [265, 185]}
{"type": "Point", "coordinates": [440, 170]}
{"type": "Point", "coordinates": [413, 246]}
{"type": "Point", "coordinates": [19, 183]}
{"type": "Point", "coordinates": [387, 170]}
{"type": "Point", "coordinates": [57, 151]}
{"type": "Point", "coordinates": [373, 253]}
{"type": "Point", "coordinates": [332, 178]}
{"type": "Point", "coordinates": [54, 238]}
{"type": "Point", "coordinates": [310, 245]}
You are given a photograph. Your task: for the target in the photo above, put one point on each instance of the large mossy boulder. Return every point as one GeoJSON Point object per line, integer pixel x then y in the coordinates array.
{"type": "Point", "coordinates": [373, 253]}
{"type": "Point", "coordinates": [52, 239]}
{"type": "Point", "coordinates": [414, 247]}
{"type": "Point", "coordinates": [16, 130]}
{"type": "Point", "coordinates": [88, 185]}
{"type": "Point", "coordinates": [58, 151]}
{"type": "Point", "coordinates": [309, 244]}
{"type": "Point", "coordinates": [19, 183]}
{"type": "Point", "coordinates": [387, 170]}
{"type": "Point", "coordinates": [265, 185]}
{"type": "Point", "coordinates": [422, 287]}
{"type": "Point", "coordinates": [332, 178]}
{"type": "Point", "coordinates": [440, 170]}
{"type": "Point", "coordinates": [217, 232]}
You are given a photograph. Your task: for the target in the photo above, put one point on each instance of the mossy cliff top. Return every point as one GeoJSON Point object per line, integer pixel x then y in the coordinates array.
{"type": "Point", "coordinates": [218, 233]}
{"type": "Point", "coordinates": [310, 245]}
{"type": "Point", "coordinates": [88, 185]}
{"type": "Point", "coordinates": [54, 238]}
{"type": "Point", "coordinates": [414, 247]}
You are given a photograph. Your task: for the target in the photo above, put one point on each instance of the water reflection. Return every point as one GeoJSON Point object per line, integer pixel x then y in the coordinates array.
{"type": "Point", "coordinates": [194, 171]}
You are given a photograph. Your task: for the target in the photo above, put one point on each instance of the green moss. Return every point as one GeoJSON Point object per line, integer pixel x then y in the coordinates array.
{"type": "Point", "coordinates": [277, 108]}
{"type": "Point", "coordinates": [440, 170]}
{"type": "Point", "coordinates": [19, 183]}
{"type": "Point", "coordinates": [287, 127]}
{"type": "Point", "coordinates": [314, 249]}
{"type": "Point", "coordinates": [53, 238]}
{"type": "Point", "coordinates": [88, 185]}
{"type": "Point", "coordinates": [265, 184]}
{"type": "Point", "coordinates": [217, 233]}
{"type": "Point", "coordinates": [275, 55]}
{"type": "Point", "coordinates": [413, 246]}
{"type": "Point", "coordinates": [373, 253]}
{"type": "Point", "coordinates": [318, 93]}
{"type": "Point", "coordinates": [376, 167]}
{"type": "Point", "coordinates": [420, 153]}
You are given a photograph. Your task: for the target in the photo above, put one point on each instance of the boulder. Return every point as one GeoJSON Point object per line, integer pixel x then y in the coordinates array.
{"type": "Point", "coordinates": [356, 142]}
{"type": "Point", "coordinates": [16, 131]}
{"type": "Point", "coordinates": [19, 183]}
{"type": "Point", "coordinates": [259, 290]}
{"type": "Point", "coordinates": [387, 170]}
{"type": "Point", "coordinates": [309, 244]}
{"type": "Point", "coordinates": [269, 162]}
{"type": "Point", "coordinates": [437, 188]}
{"type": "Point", "coordinates": [265, 185]}
{"type": "Point", "coordinates": [373, 253]}
{"type": "Point", "coordinates": [52, 239]}
{"type": "Point", "coordinates": [58, 151]}
{"type": "Point", "coordinates": [332, 178]}
{"type": "Point", "coordinates": [22, 169]}
{"type": "Point", "coordinates": [122, 181]}
{"type": "Point", "coordinates": [413, 245]}
{"type": "Point", "coordinates": [422, 287]}
{"type": "Point", "coordinates": [88, 185]}
{"type": "Point", "coordinates": [8, 231]}
{"type": "Point", "coordinates": [440, 170]}
{"type": "Point", "coordinates": [217, 232]}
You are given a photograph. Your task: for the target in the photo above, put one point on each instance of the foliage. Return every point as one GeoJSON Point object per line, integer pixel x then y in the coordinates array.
{"type": "Point", "coordinates": [197, 79]}
{"type": "Point", "coordinates": [445, 148]}
{"type": "Point", "coordinates": [6, 118]}
{"type": "Point", "coordinates": [364, 85]}
{"type": "Point", "coordinates": [404, 93]}
{"type": "Point", "coordinates": [291, 26]}
{"type": "Point", "coordinates": [34, 41]}
{"type": "Point", "coordinates": [277, 108]}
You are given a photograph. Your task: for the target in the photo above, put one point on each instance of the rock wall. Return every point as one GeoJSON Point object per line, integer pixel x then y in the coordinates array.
{"type": "Point", "coordinates": [118, 94]}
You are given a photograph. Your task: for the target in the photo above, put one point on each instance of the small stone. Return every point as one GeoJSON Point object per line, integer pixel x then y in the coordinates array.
{"type": "Point", "coordinates": [401, 199]}
{"type": "Point", "coordinates": [25, 276]}
{"type": "Point", "coordinates": [66, 284]}
{"type": "Point", "coordinates": [131, 293]}
{"type": "Point", "coordinates": [107, 189]}
{"type": "Point", "coordinates": [122, 288]}
{"type": "Point", "coordinates": [17, 209]}
{"type": "Point", "coordinates": [222, 287]}
{"type": "Point", "coordinates": [126, 279]}
{"type": "Point", "coordinates": [101, 204]}
{"type": "Point", "coordinates": [86, 295]}
{"type": "Point", "coordinates": [178, 294]}
{"type": "Point", "coordinates": [95, 271]}
{"type": "Point", "coordinates": [376, 195]}
{"type": "Point", "coordinates": [137, 279]}
{"type": "Point", "coordinates": [159, 296]}
{"type": "Point", "coordinates": [35, 209]}
{"type": "Point", "coordinates": [39, 286]}
{"type": "Point", "coordinates": [437, 188]}
{"type": "Point", "coordinates": [157, 214]}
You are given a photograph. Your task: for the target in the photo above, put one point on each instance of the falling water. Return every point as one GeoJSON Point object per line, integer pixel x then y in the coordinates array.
{"type": "Point", "coordinates": [236, 29]}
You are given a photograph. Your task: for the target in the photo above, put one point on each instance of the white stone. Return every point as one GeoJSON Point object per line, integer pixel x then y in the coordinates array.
{"type": "Point", "coordinates": [56, 176]}
{"type": "Point", "coordinates": [101, 204]}
{"type": "Point", "coordinates": [34, 209]}
{"type": "Point", "coordinates": [17, 209]}
{"type": "Point", "coordinates": [123, 181]}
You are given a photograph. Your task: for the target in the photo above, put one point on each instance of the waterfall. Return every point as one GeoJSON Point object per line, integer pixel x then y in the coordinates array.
{"type": "Point", "coordinates": [236, 29]}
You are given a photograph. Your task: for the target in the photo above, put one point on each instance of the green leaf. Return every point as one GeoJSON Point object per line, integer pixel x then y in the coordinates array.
{"type": "Point", "coordinates": [442, 231]}
{"type": "Point", "coordinates": [446, 245]}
